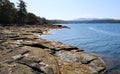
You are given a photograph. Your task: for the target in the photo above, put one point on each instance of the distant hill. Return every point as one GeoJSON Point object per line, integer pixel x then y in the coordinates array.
{"type": "Point", "coordinates": [85, 19]}
{"type": "Point", "coordinates": [88, 20]}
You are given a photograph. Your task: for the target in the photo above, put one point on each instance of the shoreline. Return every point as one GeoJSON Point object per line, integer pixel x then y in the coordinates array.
{"type": "Point", "coordinates": [22, 51]}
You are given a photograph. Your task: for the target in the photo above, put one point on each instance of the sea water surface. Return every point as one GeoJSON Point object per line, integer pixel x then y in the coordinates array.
{"type": "Point", "coordinates": [99, 39]}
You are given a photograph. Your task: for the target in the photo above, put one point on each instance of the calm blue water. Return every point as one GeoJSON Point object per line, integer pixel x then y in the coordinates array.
{"type": "Point", "coordinates": [100, 39]}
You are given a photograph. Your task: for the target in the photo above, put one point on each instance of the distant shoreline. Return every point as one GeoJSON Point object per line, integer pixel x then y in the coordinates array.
{"type": "Point", "coordinates": [89, 23]}
{"type": "Point", "coordinates": [86, 21]}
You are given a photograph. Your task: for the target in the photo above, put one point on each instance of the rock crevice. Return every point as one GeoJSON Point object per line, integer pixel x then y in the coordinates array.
{"type": "Point", "coordinates": [22, 52]}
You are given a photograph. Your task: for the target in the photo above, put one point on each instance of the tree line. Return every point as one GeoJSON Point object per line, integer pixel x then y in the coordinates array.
{"type": "Point", "coordinates": [9, 14]}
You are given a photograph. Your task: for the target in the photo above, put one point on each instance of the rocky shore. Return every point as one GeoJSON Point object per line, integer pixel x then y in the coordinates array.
{"type": "Point", "coordinates": [23, 52]}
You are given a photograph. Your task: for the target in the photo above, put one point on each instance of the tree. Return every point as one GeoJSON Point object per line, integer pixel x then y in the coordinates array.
{"type": "Point", "coordinates": [11, 15]}
{"type": "Point", "coordinates": [32, 19]}
{"type": "Point", "coordinates": [7, 12]}
{"type": "Point", "coordinates": [22, 12]}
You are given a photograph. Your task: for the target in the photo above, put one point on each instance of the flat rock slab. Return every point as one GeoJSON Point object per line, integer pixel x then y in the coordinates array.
{"type": "Point", "coordinates": [22, 52]}
{"type": "Point", "coordinates": [79, 63]}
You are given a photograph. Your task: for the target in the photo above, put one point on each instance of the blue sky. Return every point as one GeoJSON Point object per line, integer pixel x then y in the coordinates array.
{"type": "Point", "coordinates": [72, 9]}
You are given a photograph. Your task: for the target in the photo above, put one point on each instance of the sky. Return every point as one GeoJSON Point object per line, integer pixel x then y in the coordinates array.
{"type": "Point", "coordinates": [73, 9]}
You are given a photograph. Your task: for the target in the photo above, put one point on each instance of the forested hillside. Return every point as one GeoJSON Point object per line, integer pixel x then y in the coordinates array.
{"type": "Point", "coordinates": [9, 14]}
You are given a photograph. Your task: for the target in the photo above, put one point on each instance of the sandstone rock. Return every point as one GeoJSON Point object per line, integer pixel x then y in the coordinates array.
{"type": "Point", "coordinates": [15, 68]}
{"type": "Point", "coordinates": [36, 58]}
{"type": "Point", "coordinates": [22, 52]}
{"type": "Point", "coordinates": [79, 63]}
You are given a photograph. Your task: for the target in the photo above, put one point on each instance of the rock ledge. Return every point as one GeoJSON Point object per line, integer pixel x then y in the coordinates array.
{"type": "Point", "coordinates": [22, 52]}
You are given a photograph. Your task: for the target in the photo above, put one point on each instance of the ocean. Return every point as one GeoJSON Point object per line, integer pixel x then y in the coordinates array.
{"type": "Point", "coordinates": [100, 39]}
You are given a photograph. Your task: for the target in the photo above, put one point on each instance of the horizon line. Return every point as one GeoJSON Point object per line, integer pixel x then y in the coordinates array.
{"type": "Point", "coordinates": [85, 18]}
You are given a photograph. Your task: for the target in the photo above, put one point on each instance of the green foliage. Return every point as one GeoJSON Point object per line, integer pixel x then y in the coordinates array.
{"type": "Point", "coordinates": [11, 15]}
{"type": "Point", "coordinates": [7, 11]}
{"type": "Point", "coordinates": [22, 12]}
{"type": "Point", "coordinates": [32, 18]}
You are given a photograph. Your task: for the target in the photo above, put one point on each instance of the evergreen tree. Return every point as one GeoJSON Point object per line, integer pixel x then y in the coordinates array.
{"type": "Point", "coordinates": [7, 12]}
{"type": "Point", "coordinates": [22, 12]}
{"type": "Point", "coordinates": [32, 19]}
{"type": "Point", "coordinates": [11, 15]}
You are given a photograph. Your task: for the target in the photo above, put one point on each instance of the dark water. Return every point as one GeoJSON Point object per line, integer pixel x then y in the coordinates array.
{"type": "Point", "coordinates": [99, 39]}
